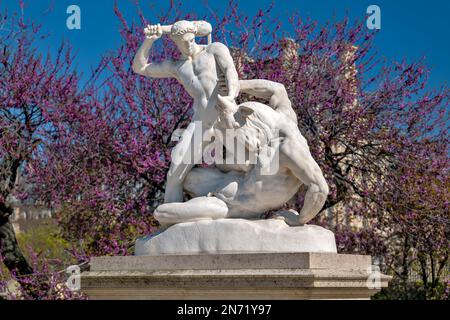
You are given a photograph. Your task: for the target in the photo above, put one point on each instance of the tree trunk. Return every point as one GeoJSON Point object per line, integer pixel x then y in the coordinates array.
{"type": "Point", "coordinates": [10, 252]}
{"type": "Point", "coordinates": [405, 265]}
{"type": "Point", "coordinates": [423, 267]}
{"type": "Point", "coordinates": [13, 257]}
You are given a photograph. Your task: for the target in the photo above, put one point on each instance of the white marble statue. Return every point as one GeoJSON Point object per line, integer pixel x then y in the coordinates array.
{"type": "Point", "coordinates": [269, 163]}
{"type": "Point", "coordinates": [219, 193]}
{"type": "Point", "coordinates": [198, 71]}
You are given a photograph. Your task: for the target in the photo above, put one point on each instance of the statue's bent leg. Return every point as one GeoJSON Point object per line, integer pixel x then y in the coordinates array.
{"type": "Point", "coordinates": [185, 155]}
{"type": "Point", "coordinates": [201, 208]}
{"type": "Point", "coordinates": [201, 181]}
{"type": "Point", "coordinates": [306, 169]}
{"type": "Point", "coordinates": [315, 198]}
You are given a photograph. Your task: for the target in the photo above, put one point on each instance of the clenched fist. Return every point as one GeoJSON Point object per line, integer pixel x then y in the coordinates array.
{"type": "Point", "coordinates": [153, 32]}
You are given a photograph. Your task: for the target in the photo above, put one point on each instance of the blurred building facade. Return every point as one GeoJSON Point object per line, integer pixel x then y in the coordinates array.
{"type": "Point", "coordinates": [27, 211]}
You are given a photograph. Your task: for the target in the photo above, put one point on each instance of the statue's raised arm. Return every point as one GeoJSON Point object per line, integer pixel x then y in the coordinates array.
{"type": "Point", "coordinates": [164, 69]}
{"type": "Point", "coordinates": [141, 65]}
{"type": "Point", "coordinates": [199, 28]}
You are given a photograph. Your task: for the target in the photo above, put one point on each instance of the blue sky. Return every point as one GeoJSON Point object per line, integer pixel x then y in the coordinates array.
{"type": "Point", "coordinates": [410, 28]}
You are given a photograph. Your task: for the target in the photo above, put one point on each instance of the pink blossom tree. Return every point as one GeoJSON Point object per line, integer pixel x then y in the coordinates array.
{"type": "Point", "coordinates": [33, 88]}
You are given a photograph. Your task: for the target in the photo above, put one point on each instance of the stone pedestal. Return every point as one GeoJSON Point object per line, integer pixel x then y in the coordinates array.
{"type": "Point", "coordinates": [233, 276]}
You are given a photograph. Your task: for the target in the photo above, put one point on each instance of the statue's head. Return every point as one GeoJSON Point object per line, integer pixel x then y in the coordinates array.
{"type": "Point", "coordinates": [183, 34]}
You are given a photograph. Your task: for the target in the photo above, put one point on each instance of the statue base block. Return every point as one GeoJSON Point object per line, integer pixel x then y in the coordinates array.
{"type": "Point", "coordinates": [237, 236]}
{"type": "Point", "coordinates": [234, 276]}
